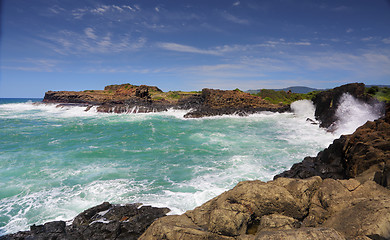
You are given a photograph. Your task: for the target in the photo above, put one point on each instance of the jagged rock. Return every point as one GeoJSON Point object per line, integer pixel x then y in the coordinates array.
{"type": "Point", "coordinates": [327, 102]}
{"type": "Point", "coordinates": [219, 102]}
{"type": "Point", "coordinates": [105, 221]}
{"type": "Point", "coordinates": [285, 209]}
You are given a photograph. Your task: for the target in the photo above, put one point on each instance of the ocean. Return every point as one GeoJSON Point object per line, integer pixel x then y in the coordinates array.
{"type": "Point", "coordinates": [57, 162]}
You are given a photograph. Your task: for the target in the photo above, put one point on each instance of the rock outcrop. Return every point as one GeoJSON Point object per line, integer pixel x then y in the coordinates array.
{"type": "Point", "coordinates": [219, 102]}
{"type": "Point", "coordinates": [127, 98]}
{"type": "Point", "coordinates": [327, 102]}
{"type": "Point", "coordinates": [105, 221]}
{"type": "Point", "coordinates": [285, 209]}
{"type": "Point", "coordinates": [364, 155]}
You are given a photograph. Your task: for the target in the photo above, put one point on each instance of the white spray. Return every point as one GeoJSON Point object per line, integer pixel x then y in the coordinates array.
{"type": "Point", "coordinates": [353, 113]}
{"type": "Point", "coordinates": [303, 108]}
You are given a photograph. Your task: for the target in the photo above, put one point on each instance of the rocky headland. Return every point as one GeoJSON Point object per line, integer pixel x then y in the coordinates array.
{"type": "Point", "coordinates": [342, 193]}
{"type": "Point", "coordinates": [127, 98]}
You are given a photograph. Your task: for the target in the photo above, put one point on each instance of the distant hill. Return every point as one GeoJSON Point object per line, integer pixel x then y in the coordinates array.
{"type": "Point", "coordinates": [381, 86]}
{"type": "Point", "coordinates": [294, 89]}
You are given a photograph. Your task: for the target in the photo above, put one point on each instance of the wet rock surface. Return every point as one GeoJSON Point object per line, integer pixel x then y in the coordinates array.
{"type": "Point", "coordinates": [105, 221]}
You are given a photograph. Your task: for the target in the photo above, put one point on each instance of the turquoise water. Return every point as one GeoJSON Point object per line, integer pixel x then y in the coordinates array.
{"type": "Point", "coordinates": [56, 162]}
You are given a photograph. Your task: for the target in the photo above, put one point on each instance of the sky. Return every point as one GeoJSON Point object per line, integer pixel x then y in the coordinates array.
{"type": "Point", "coordinates": [191, 44]}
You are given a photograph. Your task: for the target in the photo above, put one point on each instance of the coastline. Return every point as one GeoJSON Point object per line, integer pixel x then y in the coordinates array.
{"type": "Point", "coordinates": [235, 216]}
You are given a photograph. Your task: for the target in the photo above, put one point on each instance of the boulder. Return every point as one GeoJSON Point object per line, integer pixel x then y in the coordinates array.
{"type": "Point", "coordinates": [105, 221]}
{"type": "Point", "coordinates": [285, 209]}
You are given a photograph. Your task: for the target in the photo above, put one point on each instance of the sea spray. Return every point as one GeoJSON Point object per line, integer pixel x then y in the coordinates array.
{"type": "Point", "coordinates": [304, 108]}
{"type": "Point", "coordinates": [56, 162]}
{"type": "Point", "coordinates": [353, 113]}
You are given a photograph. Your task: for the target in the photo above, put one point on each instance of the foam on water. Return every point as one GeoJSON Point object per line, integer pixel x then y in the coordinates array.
{"type": "Point", "coordinates": [57, 162]}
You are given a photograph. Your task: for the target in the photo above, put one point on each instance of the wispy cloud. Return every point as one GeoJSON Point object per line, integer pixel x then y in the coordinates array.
{"type": "Point", "coordinates": [224, 49]}
{"type": "Point", "coordinates": [69, 42]}
{"type": "Point", "coordinates": [104, 9]}
{"type": "Point", "coordinates": [231, 18]}
{"type": "Point", "coordinates": [185, 48]}
{"type": "Point", "coordinates": [32, 65]}
{"type": "Point", "coordinates": [89, 32]}
{"type": "Point", "coordinates": [386, 40]}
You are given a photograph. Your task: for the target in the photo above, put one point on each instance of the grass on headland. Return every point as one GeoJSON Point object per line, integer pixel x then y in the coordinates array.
{"type": "Point", "coordinates": [284, 97]}
{"type": "Point", "coordinates": [380, 93]}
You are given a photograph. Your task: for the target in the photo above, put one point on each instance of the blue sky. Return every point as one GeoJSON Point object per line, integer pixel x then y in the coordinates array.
{"type": "Point", "coordinates": [192, 44]}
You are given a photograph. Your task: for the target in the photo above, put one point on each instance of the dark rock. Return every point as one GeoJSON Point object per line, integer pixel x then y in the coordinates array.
{"type": "Point", "coordinates": [105, 221]}
{"type": "Point", "coordinates": [327, 102]}
{"type": "Point", "coordinates": [216, 102]}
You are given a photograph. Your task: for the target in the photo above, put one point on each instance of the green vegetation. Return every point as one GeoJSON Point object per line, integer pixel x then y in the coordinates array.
{"type": "Point", "coordinates": [380, 93]}
{"type": "Point", "coordinates": [284, 97]}
{"type": "Point", "coordinates": [174, 94]}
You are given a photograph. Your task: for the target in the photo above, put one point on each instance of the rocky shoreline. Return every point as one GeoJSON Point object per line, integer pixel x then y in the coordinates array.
{"type": "Point", "coordinates": [128, 98]}
{"type": "Point", "coordinates": [342, 193]}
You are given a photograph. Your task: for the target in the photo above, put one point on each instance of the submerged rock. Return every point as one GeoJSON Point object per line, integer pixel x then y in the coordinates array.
{"type": "Point", "coordinates": [285, 209]}
{"type": "Point", "coordinates": [105, 221]}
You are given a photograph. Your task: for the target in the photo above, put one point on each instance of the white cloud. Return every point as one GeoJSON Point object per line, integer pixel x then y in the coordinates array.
{"type": "Point", "coordinates": [157, 9]}
{"type": "Point", "coordinates": [90, 33]}
{"type": "Point", "coordinates": [367, 39]}
{"type": "Point", "coordinates": [128, 7]}
{"type": "Point", "coordinates": [185, 48]}
{"type": "Point", "coordinates": [117, 8]}
{"type": "Point", "coordinates": [349, 30]}
{"type": "Point", "coordinates": [101, 10]}
{"type": "Point", "coordinates": [231, 18]}
{"type": "Point", "coordinates": [68, 42]}
{"type": "Point", "coordinates": [32, 65]}
{"type": "Point", "coordinates": [236, 3]}
{"type": "Point", "coordinates": [386, 40]}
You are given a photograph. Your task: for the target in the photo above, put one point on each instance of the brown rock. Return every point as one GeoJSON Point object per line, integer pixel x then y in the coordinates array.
{"type": "Point", "coordinates": [326, 209]}
{"type": "Point", "coordinates": [274, 222]}
{"type": "Point", "coordinates": [302, 233]}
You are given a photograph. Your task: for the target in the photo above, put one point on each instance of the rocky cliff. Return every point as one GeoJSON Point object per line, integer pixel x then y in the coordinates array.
{"type": "Point", "coordinates": [327, 102]}
{"type": "Point", "coordinates": [219, 102]}
{"type": "Point", "coordinates": [127, 98]}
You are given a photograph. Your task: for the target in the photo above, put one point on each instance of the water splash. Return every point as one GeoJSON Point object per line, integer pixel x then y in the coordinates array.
{"type": "Point", "coordinates": [303, 108]}
{"type": "Point", "coordinates": [353, 113]}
